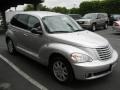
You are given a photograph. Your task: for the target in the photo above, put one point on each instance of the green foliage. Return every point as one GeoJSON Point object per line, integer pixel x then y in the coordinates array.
{"type": "Point", "coordinates": [40, 7]}
{"type": "Point", "coordinates": [108, 6]}
{"type": "Point", "coordinates": [60, 10]}
{"type": "Point", "coordinates": [29, 7]}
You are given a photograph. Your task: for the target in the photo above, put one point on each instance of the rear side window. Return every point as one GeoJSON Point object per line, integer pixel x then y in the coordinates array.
{"type": "Point", "coordinates": [20, 21]}
{"type": "Point", "coordinates": [14, 20]}
{"type": "Point", "coordinates": [102, 15]}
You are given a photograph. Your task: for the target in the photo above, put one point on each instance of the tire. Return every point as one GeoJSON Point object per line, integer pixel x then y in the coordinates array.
{"type": "Point", "coordinates": [61, 70]}
{"type": "Point", "coordinates": [93, 27]}
{"type": "Point", "coordinates": [106, 26]}
{"type": "Point", "coordinates": [10, 46]}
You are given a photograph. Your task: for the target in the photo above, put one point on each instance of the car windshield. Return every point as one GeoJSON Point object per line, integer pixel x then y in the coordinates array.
{"type": "Point", "coordinates": [89, 16]}
{"type": "Point", "coordinates": [60, 24]}
{"type": "Point", "coordinates": [116, 17]}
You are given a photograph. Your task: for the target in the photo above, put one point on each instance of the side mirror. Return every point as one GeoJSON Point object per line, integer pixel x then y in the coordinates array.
{"type": "Point", "coordinates": [36, 31]}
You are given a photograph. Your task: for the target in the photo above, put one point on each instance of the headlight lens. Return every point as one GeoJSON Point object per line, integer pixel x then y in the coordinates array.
{"type": "Point", "coordinates": [86, 22]}
{"type": "Point", "coordinates": [80, 58]}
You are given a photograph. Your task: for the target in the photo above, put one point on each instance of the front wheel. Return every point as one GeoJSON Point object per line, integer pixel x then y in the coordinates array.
{"type": "Point", "coordinates": [61, 70]}
{"type": "Point", "coordinates": [93, 27]}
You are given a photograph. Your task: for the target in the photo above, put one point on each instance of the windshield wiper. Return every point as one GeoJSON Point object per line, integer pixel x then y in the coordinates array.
{"type": "Point", "coordinates": [79, 30]}
{"type": "Point", "coordinates": [61, 32]}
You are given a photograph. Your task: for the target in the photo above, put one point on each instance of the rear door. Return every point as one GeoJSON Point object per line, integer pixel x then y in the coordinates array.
{"type": "Point", "coordinates": [100, 20]}
{"type": "Point", "coordinates": [20, 27]}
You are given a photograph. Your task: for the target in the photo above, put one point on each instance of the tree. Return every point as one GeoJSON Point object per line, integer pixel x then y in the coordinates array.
{"type": "Point", "coordinates": [29, 7]}
{"type": "Point", "coordinates": [60, 10]}
{"type": "Point", "coordinates": [40, 7]}
{"type": "Point", "coordinates": [108, 6]}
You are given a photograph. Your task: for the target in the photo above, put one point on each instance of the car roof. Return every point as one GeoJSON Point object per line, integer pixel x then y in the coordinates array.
{"type": "Point", "coordinates": [41, 14]}
{"type": "Point", "coordinates": [96, 13]}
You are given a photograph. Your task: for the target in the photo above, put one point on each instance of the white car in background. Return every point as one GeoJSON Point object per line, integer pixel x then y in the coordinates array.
{"type": "Point", "coordinates": [116, 26]}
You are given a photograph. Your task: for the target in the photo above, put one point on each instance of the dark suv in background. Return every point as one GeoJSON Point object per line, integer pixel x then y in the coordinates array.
{"type": "Point", "coordinates": [93, 20]}
{"type": "Point", "coordinates": [75, 16]}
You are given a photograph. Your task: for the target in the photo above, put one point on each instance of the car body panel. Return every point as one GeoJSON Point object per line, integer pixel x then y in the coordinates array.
{"type": "Point", "coordinates": [41, 47]}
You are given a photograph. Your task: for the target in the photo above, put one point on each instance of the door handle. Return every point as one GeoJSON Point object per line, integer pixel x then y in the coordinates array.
{"type": "Point", "coordinates": [25, 35]}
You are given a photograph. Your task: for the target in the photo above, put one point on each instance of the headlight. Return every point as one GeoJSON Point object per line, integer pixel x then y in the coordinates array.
{"type": "Point", "coordinates": [80, 58]}
{"type": "Point", "coordinates": [86, 22]}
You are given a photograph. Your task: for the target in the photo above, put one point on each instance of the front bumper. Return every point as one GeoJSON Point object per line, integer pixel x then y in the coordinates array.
{"type": "Point", "coordinates": [116, 28]}
{"type": "Point", "coordinates": [86, 26]}
{"type": "Point", "coordinates": [95, 69]}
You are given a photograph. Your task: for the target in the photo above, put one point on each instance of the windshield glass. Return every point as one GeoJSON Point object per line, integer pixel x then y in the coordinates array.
{"type": "Point", "coordinates": [60, 24]}
{"type": "Point", "coordinates": [90, 16]}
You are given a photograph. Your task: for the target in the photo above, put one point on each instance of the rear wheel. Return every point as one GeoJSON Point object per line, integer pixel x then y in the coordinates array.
{"type": "Point", "coordinates": [10, 46]}
{"type": "Point", "coordinates": [93, 27]}
{"type": "Point", "coordinates": [61, 70]}
{"type": "Point", "coordinates": [106, 26]}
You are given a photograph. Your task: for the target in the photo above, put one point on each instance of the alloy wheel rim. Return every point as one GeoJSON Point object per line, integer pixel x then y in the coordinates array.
{"type": "Point", "coordinates": [60, 71]}
{"type": "Point", "coordinates": [94, 28]}
{"type": "Point", "coordinates": [106, 26]}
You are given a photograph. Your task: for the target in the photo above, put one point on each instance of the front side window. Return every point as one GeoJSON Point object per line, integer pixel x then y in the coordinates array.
{"type": "Point", "coordinates": [33, 22]}
{"type": "Point", "coordinates": [60, 23]}
{"type": "Point", "coordinates": [22, 21]}
{"type": "Point", "coordinates": [90, 16]}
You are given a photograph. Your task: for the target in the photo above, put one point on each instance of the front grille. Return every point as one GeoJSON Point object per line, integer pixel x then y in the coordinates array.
{"type": "Point", "coordinates": [81, 22]}
{"type": "Point", "coordinates": [104, 53]}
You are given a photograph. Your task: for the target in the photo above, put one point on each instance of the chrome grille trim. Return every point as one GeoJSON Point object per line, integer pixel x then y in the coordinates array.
{"type": "Point", "coordinates": [104, 53]}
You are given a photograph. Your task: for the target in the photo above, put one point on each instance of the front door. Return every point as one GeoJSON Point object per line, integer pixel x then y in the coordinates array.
{"type": "Point", "coordinates": [34, 41]}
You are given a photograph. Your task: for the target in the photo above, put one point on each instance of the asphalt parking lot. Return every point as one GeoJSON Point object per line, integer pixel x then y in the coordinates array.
{"type": "Point", "coordinates": [39, 74]}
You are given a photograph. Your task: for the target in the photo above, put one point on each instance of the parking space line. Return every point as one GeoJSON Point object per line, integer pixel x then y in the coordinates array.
{"type": "Point", "coordinates": [114, 38]}
{"type": "Point", "coordinates": [23, 74]}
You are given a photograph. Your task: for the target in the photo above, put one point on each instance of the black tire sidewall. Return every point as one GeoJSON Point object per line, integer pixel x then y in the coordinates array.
{"type": "Point", "coordinates": [68, 66]}
{"type": "Point", "coordinates": [105, 26]}
{"type": "Point", "coordinates": [13, 51]}
{"type": "Point", "coordinates": [93, 25]}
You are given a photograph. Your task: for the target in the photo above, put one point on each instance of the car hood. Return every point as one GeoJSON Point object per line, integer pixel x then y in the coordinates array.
{"type": "Point", "coordinates": [82, 38]}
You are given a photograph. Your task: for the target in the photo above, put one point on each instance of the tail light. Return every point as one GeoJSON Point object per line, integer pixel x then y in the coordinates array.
{"type": "Point", "coordinates": [116, 24]}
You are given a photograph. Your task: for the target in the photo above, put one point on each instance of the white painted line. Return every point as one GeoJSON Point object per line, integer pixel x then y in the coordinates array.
{"type": "Point", "coordinates": [114, 38]}
{"type": "Point", "coordinates": [23, 74]}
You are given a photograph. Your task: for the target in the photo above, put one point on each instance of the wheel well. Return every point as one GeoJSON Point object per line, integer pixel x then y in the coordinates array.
{"type": "Point", "coordinates": [57, 55]}
{"type": "Point", "coordinates": [7, 38]}
{"type": "Point", "coordinates": [107, 22]}
{"type": "Point", "coordinates": [54, 55]}
{"type": "Point", "coordinates": [60, 55]}
{"type": "Point", "coordinates": [94, 23]}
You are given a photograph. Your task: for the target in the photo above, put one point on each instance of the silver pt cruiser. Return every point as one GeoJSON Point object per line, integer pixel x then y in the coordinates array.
{"type": "Point", "coordinates": [57, 41]}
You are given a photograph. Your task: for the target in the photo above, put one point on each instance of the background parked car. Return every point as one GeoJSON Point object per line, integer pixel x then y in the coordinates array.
{"type": "Point", "coordinates": [75, 16]}
{"type": "Point", "coordinates": [116, 26]}
{"type": "Point", "coordinates": [93, 20]}
{"type": "Point", "coordinates": [114, 17]}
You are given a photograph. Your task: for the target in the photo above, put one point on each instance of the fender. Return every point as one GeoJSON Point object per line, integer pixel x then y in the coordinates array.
{"type": "Point", "coordinates": [11, 35]}
{"type": "Point", "coordinates": [66, 50]}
